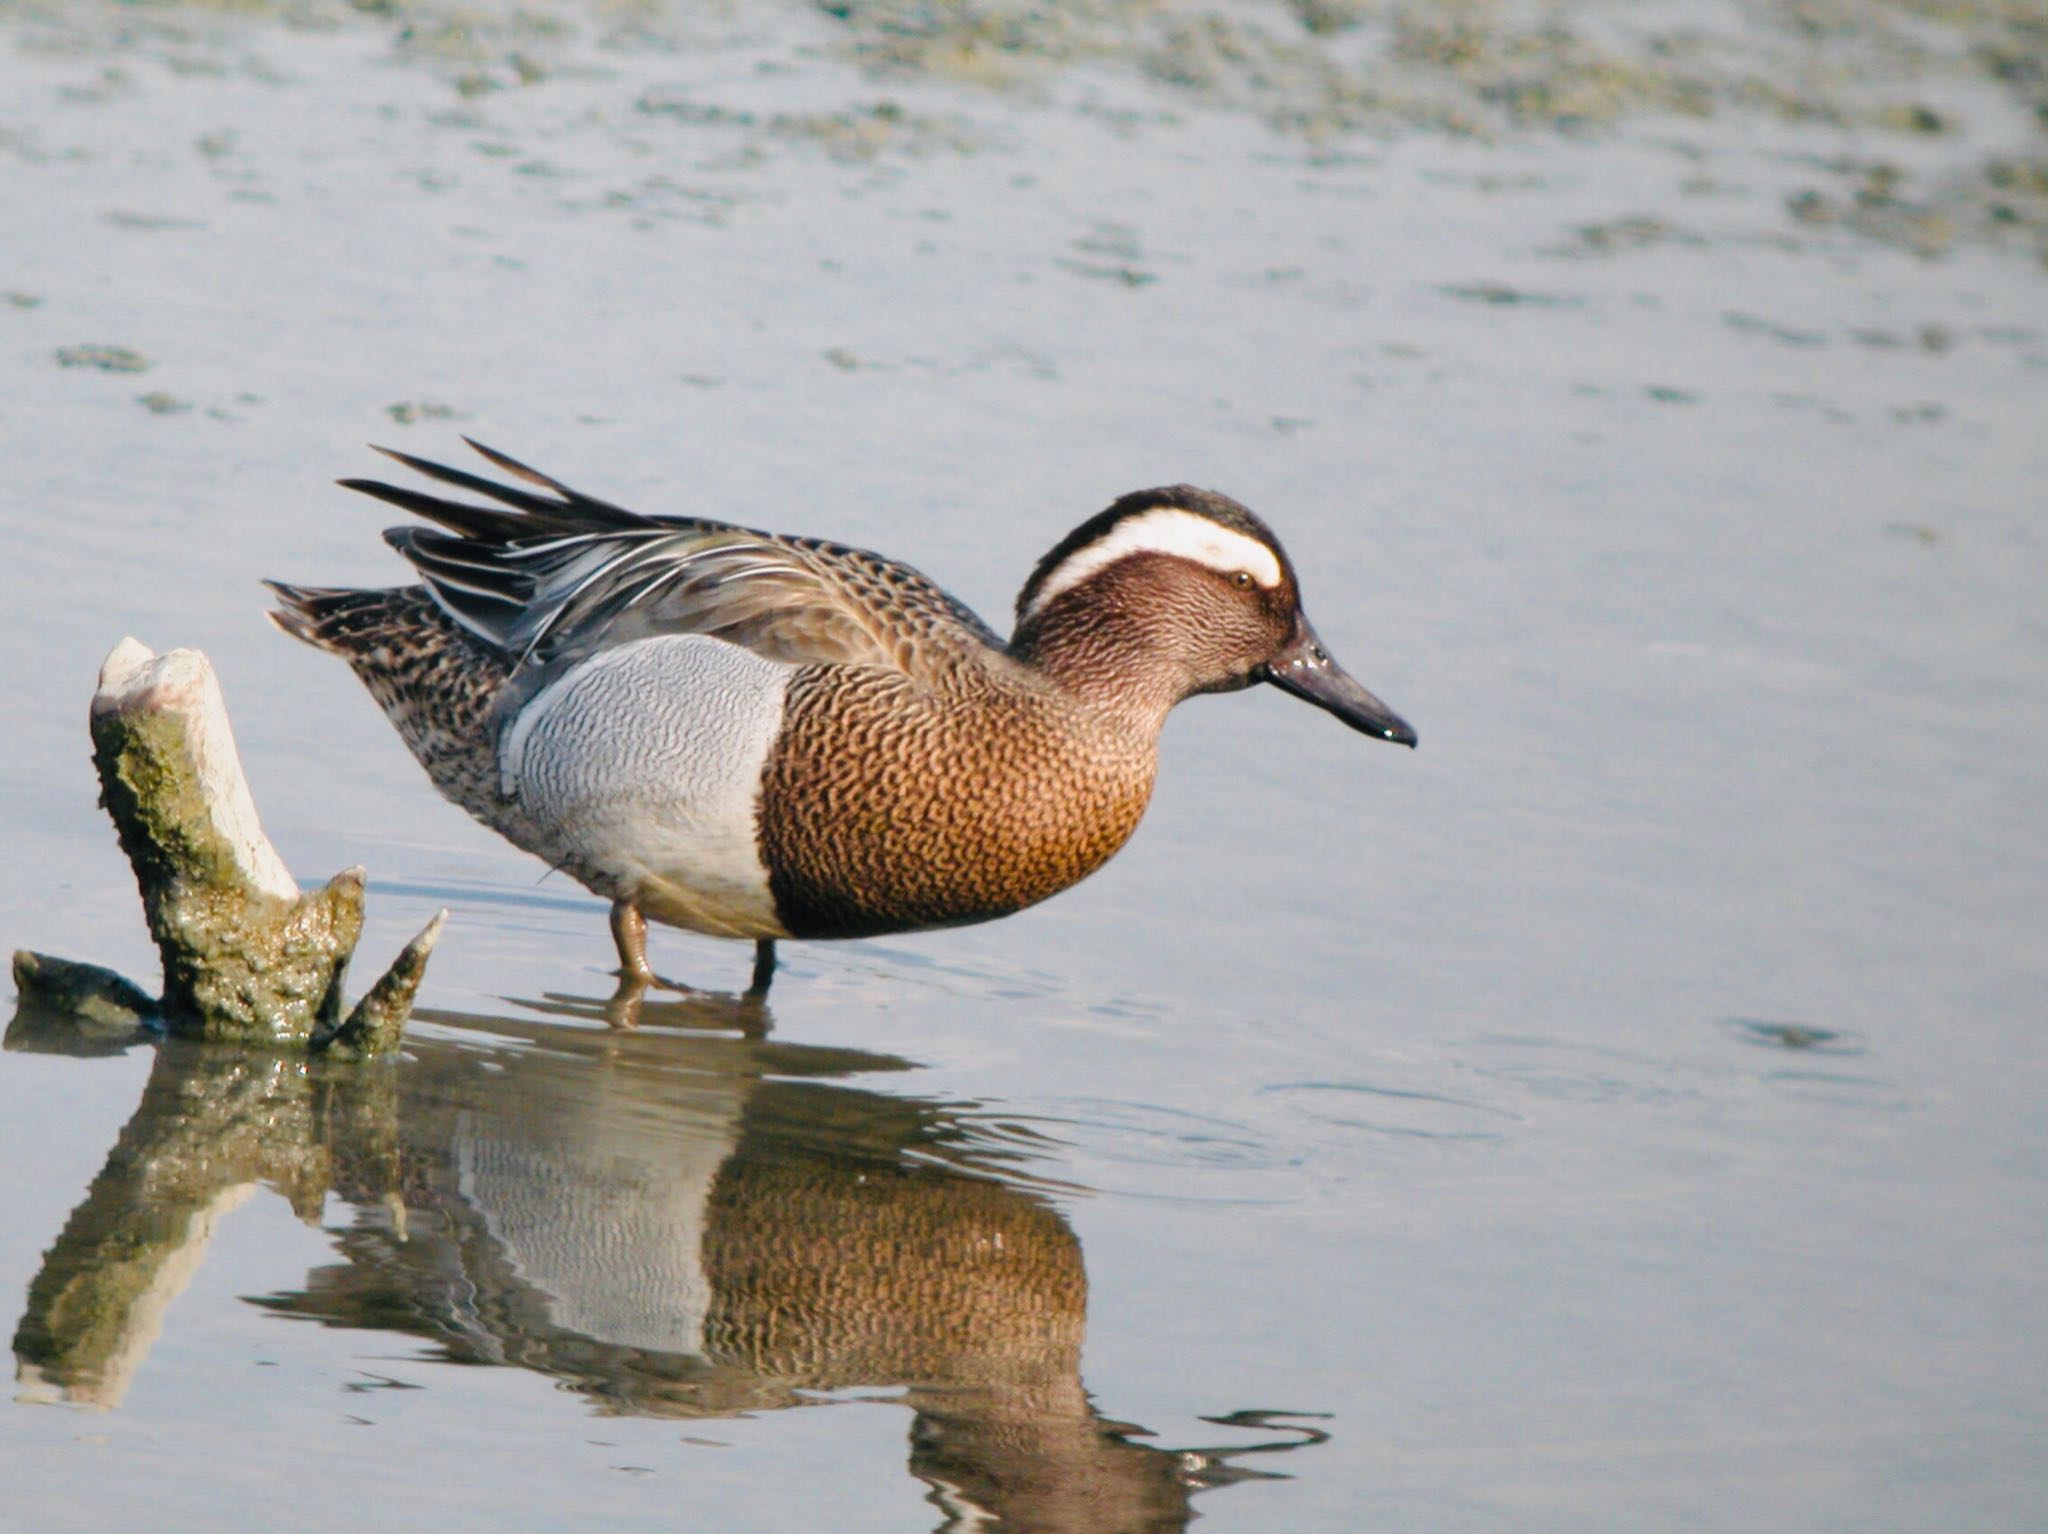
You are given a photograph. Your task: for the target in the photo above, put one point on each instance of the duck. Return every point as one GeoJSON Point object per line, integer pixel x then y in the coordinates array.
{"type": "Point", "coordinates": [761, 736]}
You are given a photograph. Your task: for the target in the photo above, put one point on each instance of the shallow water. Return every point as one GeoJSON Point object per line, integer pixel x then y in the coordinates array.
{"type": "Point", "coordinates": [1624, 1111]}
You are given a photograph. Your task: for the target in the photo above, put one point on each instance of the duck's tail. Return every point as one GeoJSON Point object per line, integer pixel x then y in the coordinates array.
{"type": "Point", "coordinates": [434, 679]}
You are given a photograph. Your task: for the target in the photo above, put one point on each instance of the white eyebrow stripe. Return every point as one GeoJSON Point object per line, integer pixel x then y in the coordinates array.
{"type": "Point", "coordinates": [1166, 530]}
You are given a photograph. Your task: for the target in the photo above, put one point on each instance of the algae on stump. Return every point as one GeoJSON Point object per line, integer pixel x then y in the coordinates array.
{"type": "Point", "coordinates": [247, 956]}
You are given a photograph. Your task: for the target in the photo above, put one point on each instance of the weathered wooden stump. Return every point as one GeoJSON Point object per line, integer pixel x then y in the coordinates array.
{"type": "Point", "coordinates": [248, 957]}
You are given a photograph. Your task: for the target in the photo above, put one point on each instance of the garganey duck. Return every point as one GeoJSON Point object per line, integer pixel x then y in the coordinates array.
{"type": "Point", "coordinates": [758, 736]}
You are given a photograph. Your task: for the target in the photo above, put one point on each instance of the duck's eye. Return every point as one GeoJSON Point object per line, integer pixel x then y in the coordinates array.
{"type": "Point", "coordinates": [1242, 580]}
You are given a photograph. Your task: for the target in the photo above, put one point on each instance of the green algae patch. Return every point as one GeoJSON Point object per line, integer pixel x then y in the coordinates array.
{"type": "Point", "coordinates": [108, 359]}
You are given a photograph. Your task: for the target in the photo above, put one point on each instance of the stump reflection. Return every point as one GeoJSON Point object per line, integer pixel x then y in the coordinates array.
{"type": "Point", "coordinates": [673, 1222]}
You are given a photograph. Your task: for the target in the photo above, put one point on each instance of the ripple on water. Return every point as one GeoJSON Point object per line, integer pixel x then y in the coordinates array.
{"type": "Point", "coordinates": [1530, 1069]}
{"type": "Point", "coordinates": [1804, 1037]}
{"type": "Point", "coordinates": [1566, 1082]}
{"type": "Point", "coordinates": [1392, 1110]}
{"type": "Point", "coordinates": [1839, 1090]}
{"type": "Point", "coordinates": [1146, 1134]}
{"type": "Point", "coordinates": [1231, 1162]}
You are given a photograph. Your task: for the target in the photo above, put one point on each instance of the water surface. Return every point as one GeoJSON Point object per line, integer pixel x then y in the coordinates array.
{"type": "Point", "coordinates": [1624, 1111]}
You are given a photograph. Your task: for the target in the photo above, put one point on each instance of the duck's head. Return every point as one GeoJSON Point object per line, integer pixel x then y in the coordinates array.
{"type": "Point", "coordinates": [1178, 591]}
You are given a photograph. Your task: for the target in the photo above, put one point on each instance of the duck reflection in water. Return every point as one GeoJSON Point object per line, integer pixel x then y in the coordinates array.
{"type": "Point", "coordinates": [675, 1221]}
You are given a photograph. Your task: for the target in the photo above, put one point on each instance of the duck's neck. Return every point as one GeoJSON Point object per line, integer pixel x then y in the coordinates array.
{"type": "Point", "coordinates": [1107, 659]}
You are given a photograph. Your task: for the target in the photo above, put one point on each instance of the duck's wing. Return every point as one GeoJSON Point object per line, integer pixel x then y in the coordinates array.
{"type": "Point", "coordinates": [563, 574]}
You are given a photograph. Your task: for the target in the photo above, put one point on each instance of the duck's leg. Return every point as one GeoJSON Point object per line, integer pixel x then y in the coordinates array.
{"type": "Point", "coordinates": [622, 1011]}
{"type": "Point", "coordinates": [629, 931]}
{"type": "Point", "coordinates": [764, 968]}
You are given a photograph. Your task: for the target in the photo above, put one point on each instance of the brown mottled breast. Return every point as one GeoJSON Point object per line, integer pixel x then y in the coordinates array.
{"type": "Point", "coordinates": [890, 804]}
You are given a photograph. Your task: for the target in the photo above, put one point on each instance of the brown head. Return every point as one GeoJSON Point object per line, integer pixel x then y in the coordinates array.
{"type": "Point", "coordinates": [1178, 591]}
